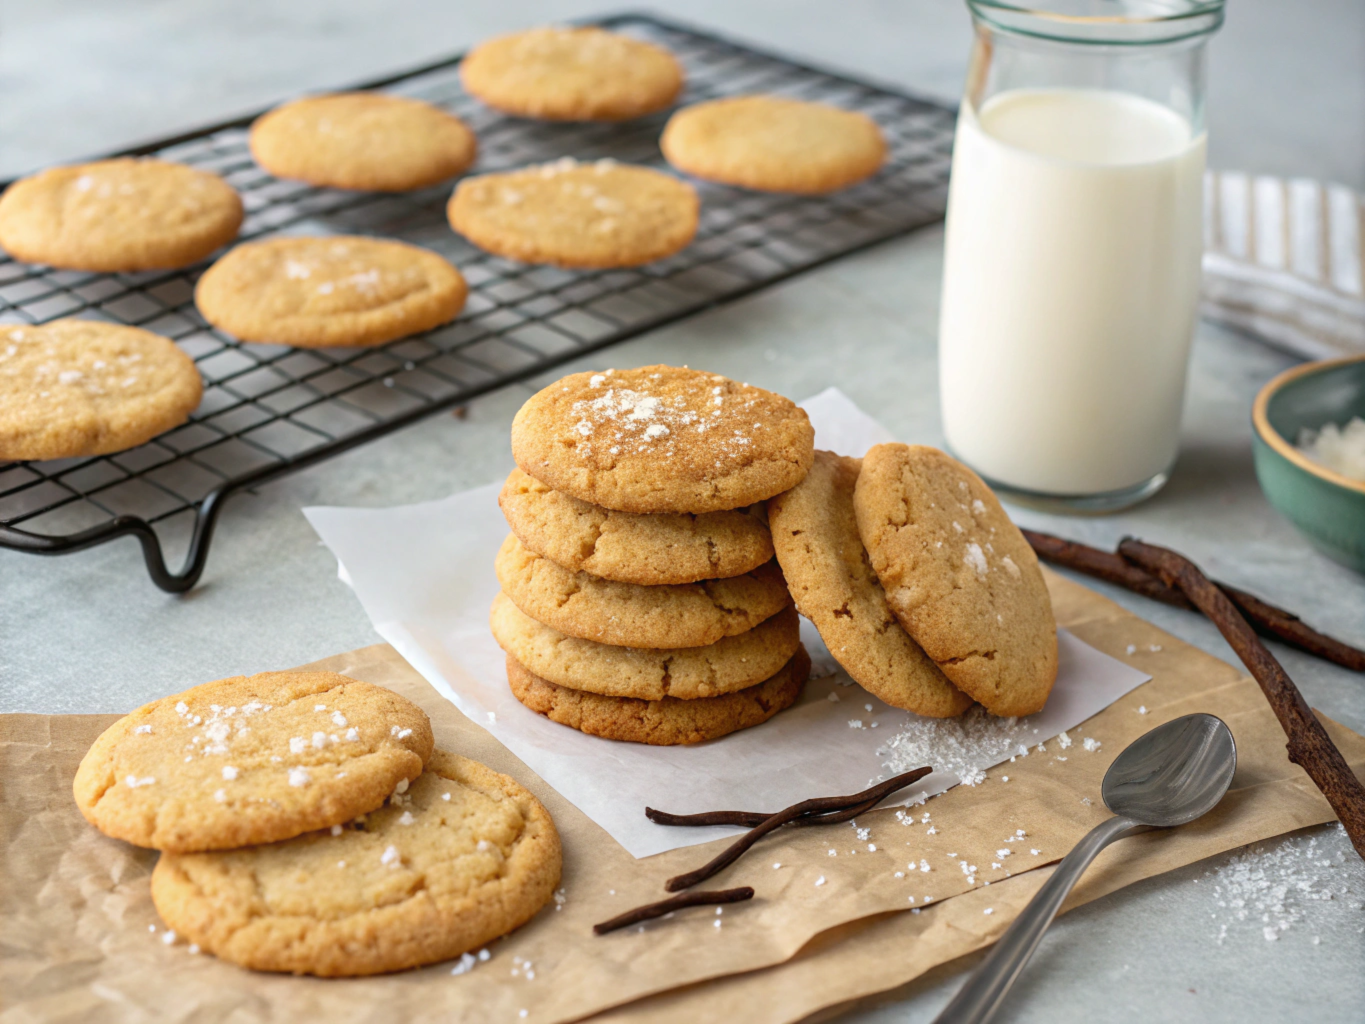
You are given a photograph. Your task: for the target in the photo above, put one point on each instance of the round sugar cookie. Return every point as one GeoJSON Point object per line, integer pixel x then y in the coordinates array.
{"type": "Point", "coordinates": [667, 721]}
{"type": "Point", "coordinates": [362, 140]}
{"type": "Point", "coordinates": [344, 290]}
{"type": "Point", "coordinates": [463, 856]}
{"type": "Point", "coordinates": [250, 759]}
{"type": "Point", "coordinates": [815, 531]}
{"type": "Point", "coordinates": [685, 673]}
{"type": "Point", "coordinates": [572, 74]}
{"type": "Point", "coordinates": [119, 215]}
{"type": "Point", "coordinates": [958, 575]}
{"type": "Point", "coordinates": [662, 439]}
{"type": "Point", "coordinates": [774, 144]}
{"type": "Point", "coordinates": [629, 615]}
{"type": "Point", "coordinates": [650, 550]}
{"type": "Point", "coordinates": [82, 387]}
{"type": "Point", "coordinates": [585, 216]}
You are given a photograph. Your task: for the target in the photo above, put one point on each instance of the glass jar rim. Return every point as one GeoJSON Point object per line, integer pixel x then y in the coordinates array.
{"type": "Point", "coordinates": [1153, 22]}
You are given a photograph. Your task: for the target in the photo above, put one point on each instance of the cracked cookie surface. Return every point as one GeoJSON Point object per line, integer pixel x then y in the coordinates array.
{"type": "Point", "coordinates": [120, 215]}
{"type": "Point", "coordinates": [815, 531]}
{"type": "Point", "coordinates": [959, 575]}
{"type": "Point", "coordinates": [341, 290]}
{"type": "Point", "coordinates": [664, 722]}
{"type": "Point", "coordinates": [572, 74]}
{"type": "Point", "coordinates": [630, 615]}
{"type": "Point", "coordinates": [82, 387]}
{"type": "Point", "coordinates": [462, 856]}
{"type": "Point", "coordinates": [685, 673]}
{"type": "Point", "coordinates": [362, 140]}
{"type": "Point", "coordinates": [250, 759]}
{"type": "Point", "coordinates": [662, 439]}
{"type": "Point", "coordinates": [646, 549]}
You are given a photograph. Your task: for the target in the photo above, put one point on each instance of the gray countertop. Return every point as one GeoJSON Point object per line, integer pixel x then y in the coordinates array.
{"type": "Point", "coordinates": [89, 632]}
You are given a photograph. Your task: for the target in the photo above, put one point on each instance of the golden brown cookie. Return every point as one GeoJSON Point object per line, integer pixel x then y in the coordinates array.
{"type": "Point", "coordinates": [81, 387]}
{"type": "Point", "coordinates": [251, 759]}
{"type": "Point", "coordinates": [662, 439]}
{"type": "Point", "coordinates": [830, 575]}
{"type": "Point", "coordinates": [572, 74]}
{"type": "Point", "coordinates": [629, 615]}
{"type": "Point", "coordinates": [774, 144]}
{"type": "Point", "coordinates": [685, 673]}
{"type": "Point", "coordinates": [959, 575]}
{"type": "Point", "coordinates": [667, 721]}
{"type": "Point", "coordinates": [321, 292]}
{"type": "Point", "coordinates": [118, 215]}
{"type": "Point", "coordinates": [648, 550]}
{"type": "Point", "coordinates": [362, 140]}
{"type": "Point", "coordinates": [602, 214]}
{"type": "Point", "coordinates": [463, 856]}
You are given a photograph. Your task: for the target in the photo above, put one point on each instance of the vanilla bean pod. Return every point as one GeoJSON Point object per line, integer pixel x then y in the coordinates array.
{"type": "Point", "coordinates": [686, 899]}
{"type": "Point", "coordinates": [1264, 617]}
{"type": "Point", "coordinates": [828, 806]}
{"type": "Point", "coordinates": [752, 819]}
{"type": "Point", "coordinates": [1309, 745]}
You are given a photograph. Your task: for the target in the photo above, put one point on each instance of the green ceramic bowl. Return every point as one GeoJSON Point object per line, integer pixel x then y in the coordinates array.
{"type": "Point", "coordinates": [1328, 507]}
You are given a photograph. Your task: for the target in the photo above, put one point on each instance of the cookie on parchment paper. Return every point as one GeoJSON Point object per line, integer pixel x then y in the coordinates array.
{"type": "Point", "coordinates": [667, 721]}
{"type": "Point", "coordinates": [82, 387]}
{"type": "Point", "coordinates": [578, 215]}
{"type": "Point", "coordinates": [959, 575]}
{"type": "Point", "coordinates": [686, 673]}
{"type": "Point", "coordinates": [830, 575]}
{"type": "Point", "coordinates": [572, 74]}
{"type": "Point", "coordinates": [630, 615]}
{"type": "Point", "coordinates": [463, 856]}
{"type": "Point", "coordinates": [662, 439]}
{"type": "Point", "coordinates": [774, 144]}
{"type": "Point", "coordinates": [250, 759]}
{"type": "Point", "coordinates": [120, 215]}
{"type": "Point", "coordinates": [362, 140]}
{"type": "Point", "coordinates": [646, 549]}
{"type": "Point", "coordinates": [335, 291]}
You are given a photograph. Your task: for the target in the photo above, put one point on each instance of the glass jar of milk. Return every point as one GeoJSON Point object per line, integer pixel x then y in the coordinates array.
{"type": "Point", "coordinates": [1074, 239]}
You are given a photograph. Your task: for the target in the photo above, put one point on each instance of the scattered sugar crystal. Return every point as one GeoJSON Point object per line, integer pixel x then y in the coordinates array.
{"type": "Point", "coordinates": [1087, 801]}
{"type": "Point", "coordinates": [899, 874]}
{"type": "Point", "coordinates": [1063, 740]}
{"type": "Point", "coordinates": [403, 734]}
{"type": "Point", "coordinates": [391, 857]}
{"type": "Point", "coordinates": [483, 846]}
{"type": "Point", "coordinates": [133, 781]}
{"type": "Point", "coordinates": [833, 853]}
{"type": "Point", "coordinates": [220, 795]}
{"type": "Point", "coordinates": [297, 745]}
{"type": "Point", "coordinates": [1154, 647]}
{"type": "Point", "coordinates": [144, 730]}
{"type": "Point", "coordinates": [484, 954]}
{"type": "Point", "coordinates": [406, 818]}
{"type": "Point", "coordinates": [229, 772]}
{"type": "Point", "coordinates": [338, 719]}
{"type": "Point", "coordinates": [1142, 709]}
{"type": "Point", "coordinates": [976, 558]}
{"type": "Point", "coordinates": [319, 707]}
{"type": "Point", "coordinates": [1089, 744]}
{"type": "Point", "coordinates": [855, 723]}
{"type": "Point", "coordinates": [352, 734]}
{"type": "Point", "coordinates": [192, 949]}
{"type": "Point", "coordinates": [445, 796]}
{"type": "Point", "coordinates": [833, 697]}
{"type": "Point", "coordinates": [777, 865]}
{"type": "Point", "coordinates": [299, 777]}
{"type": "Point", "coordinates": [168, 937]}
{"type": "Point", "coordinates": [867, 707]}
{"type": "Point", "coordinates": [464, 964]}
{"type": "Point", "coordinates": [1002, 854]}
{"type": "Point", "coordinates": [336, 830]}
{"type": "Point", "coordinates": [871, 847]}
{"type": "Point", "coordinates": [319, 740]}
{"type": "Point", "coordinates": [1131, 648]}
{"type": "Point", "coordinates": [964, 746]}
{"type": "Point", "coordinates": [181, 708]}
{"type": "Point", "coordinates": [931, 831]}
{"type": "Point", "coordinates": [402, 786]}
{"type": "Point", "coordinates": [656, 430]}
{"type": "Point", "coordinates": [820, 880]}
{"type": "Point", "coordinates": [923, 866]}
{"type": "Point", "coordinates": [989, 910]}
{"type": "Point", "coordinates": [1034, 852]}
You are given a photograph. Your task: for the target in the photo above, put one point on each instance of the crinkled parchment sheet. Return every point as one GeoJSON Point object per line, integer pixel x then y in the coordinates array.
{"type": "Point", "coordinates": [76, 916]}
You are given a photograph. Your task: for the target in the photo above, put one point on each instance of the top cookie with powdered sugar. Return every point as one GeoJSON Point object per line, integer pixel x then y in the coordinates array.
{"type": "Point", "coordinates": [662, 439]}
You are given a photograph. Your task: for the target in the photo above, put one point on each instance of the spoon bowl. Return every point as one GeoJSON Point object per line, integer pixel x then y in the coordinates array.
{"type": "Point", "coordinates": [1173, 774]}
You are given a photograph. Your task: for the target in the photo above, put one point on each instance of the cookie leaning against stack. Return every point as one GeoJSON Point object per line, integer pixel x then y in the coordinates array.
{"type": "Point", "coordinates": [307, 824]}
{"type": "Point", "coordinates": [640, 601]}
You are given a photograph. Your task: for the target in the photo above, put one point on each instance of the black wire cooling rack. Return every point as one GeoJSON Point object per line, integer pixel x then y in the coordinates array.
{"type": "Point", "coordinates": [270, 409]}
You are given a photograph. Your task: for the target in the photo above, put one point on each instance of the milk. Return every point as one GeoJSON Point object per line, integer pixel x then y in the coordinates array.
{"type": "Point", "coordinates": [1071, 276]}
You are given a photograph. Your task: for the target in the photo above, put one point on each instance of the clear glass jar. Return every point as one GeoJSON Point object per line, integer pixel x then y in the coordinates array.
{"type": "Point", "coordinates": [1074, 240]}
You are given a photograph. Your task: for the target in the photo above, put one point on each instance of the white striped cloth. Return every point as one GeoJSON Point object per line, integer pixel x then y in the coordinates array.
{"type": "Point", "coordinates": [1285, 260]}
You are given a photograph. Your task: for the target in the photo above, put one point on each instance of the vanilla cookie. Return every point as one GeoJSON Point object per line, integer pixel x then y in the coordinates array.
{"type": "Point", "coordinates": [686, 673]}
{"type": "Point", "coordinates": [118, 215]}
{"type": "Point", "coordinates": [649, 550]}
{"type": "Point", "coordinates": [362, 140]}
{"type": "Point", "coordinates": [629, 615]}
{"type": "Point", "coordinates": [815, 531]}
{"type": "Point", "coordinates": [585, 216]}
{"type": "Point", "coordinates": [667, 721]}
{"type": "Point", "coordinates": [774, 144]}
{"type": "Point", "coordinates": [958, 575]}
{"type": "Point", "coordinates": [84, 387]}
{"type": "Point", "coordinates": [251, 759]}
{"type": "Point", "coordinates": [662, 439]}
{"type": "Point", "coordinates": [461, 857]}
{"type": "Point", "coordinates": [572, 74]}
{"type": "Point", "coordinates": [322, 292]}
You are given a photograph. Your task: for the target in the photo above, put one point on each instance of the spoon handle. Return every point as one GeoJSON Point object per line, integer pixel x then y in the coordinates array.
{"type": "Point", "coordinates": [977, 1000]}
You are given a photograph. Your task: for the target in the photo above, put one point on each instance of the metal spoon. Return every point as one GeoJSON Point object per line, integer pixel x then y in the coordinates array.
{"type": "Point", "coordinates": [1172, 775]}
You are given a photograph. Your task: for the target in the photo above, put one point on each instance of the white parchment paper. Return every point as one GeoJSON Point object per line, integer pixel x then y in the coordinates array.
{"type": "Point", "coordinates": [424, 574]}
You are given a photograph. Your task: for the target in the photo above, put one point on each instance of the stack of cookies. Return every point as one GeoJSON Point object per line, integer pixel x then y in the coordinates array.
{"type": "Point", "coordinates": [640, 597]}
{"type": "Point", "coordinates": [308, 824]}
